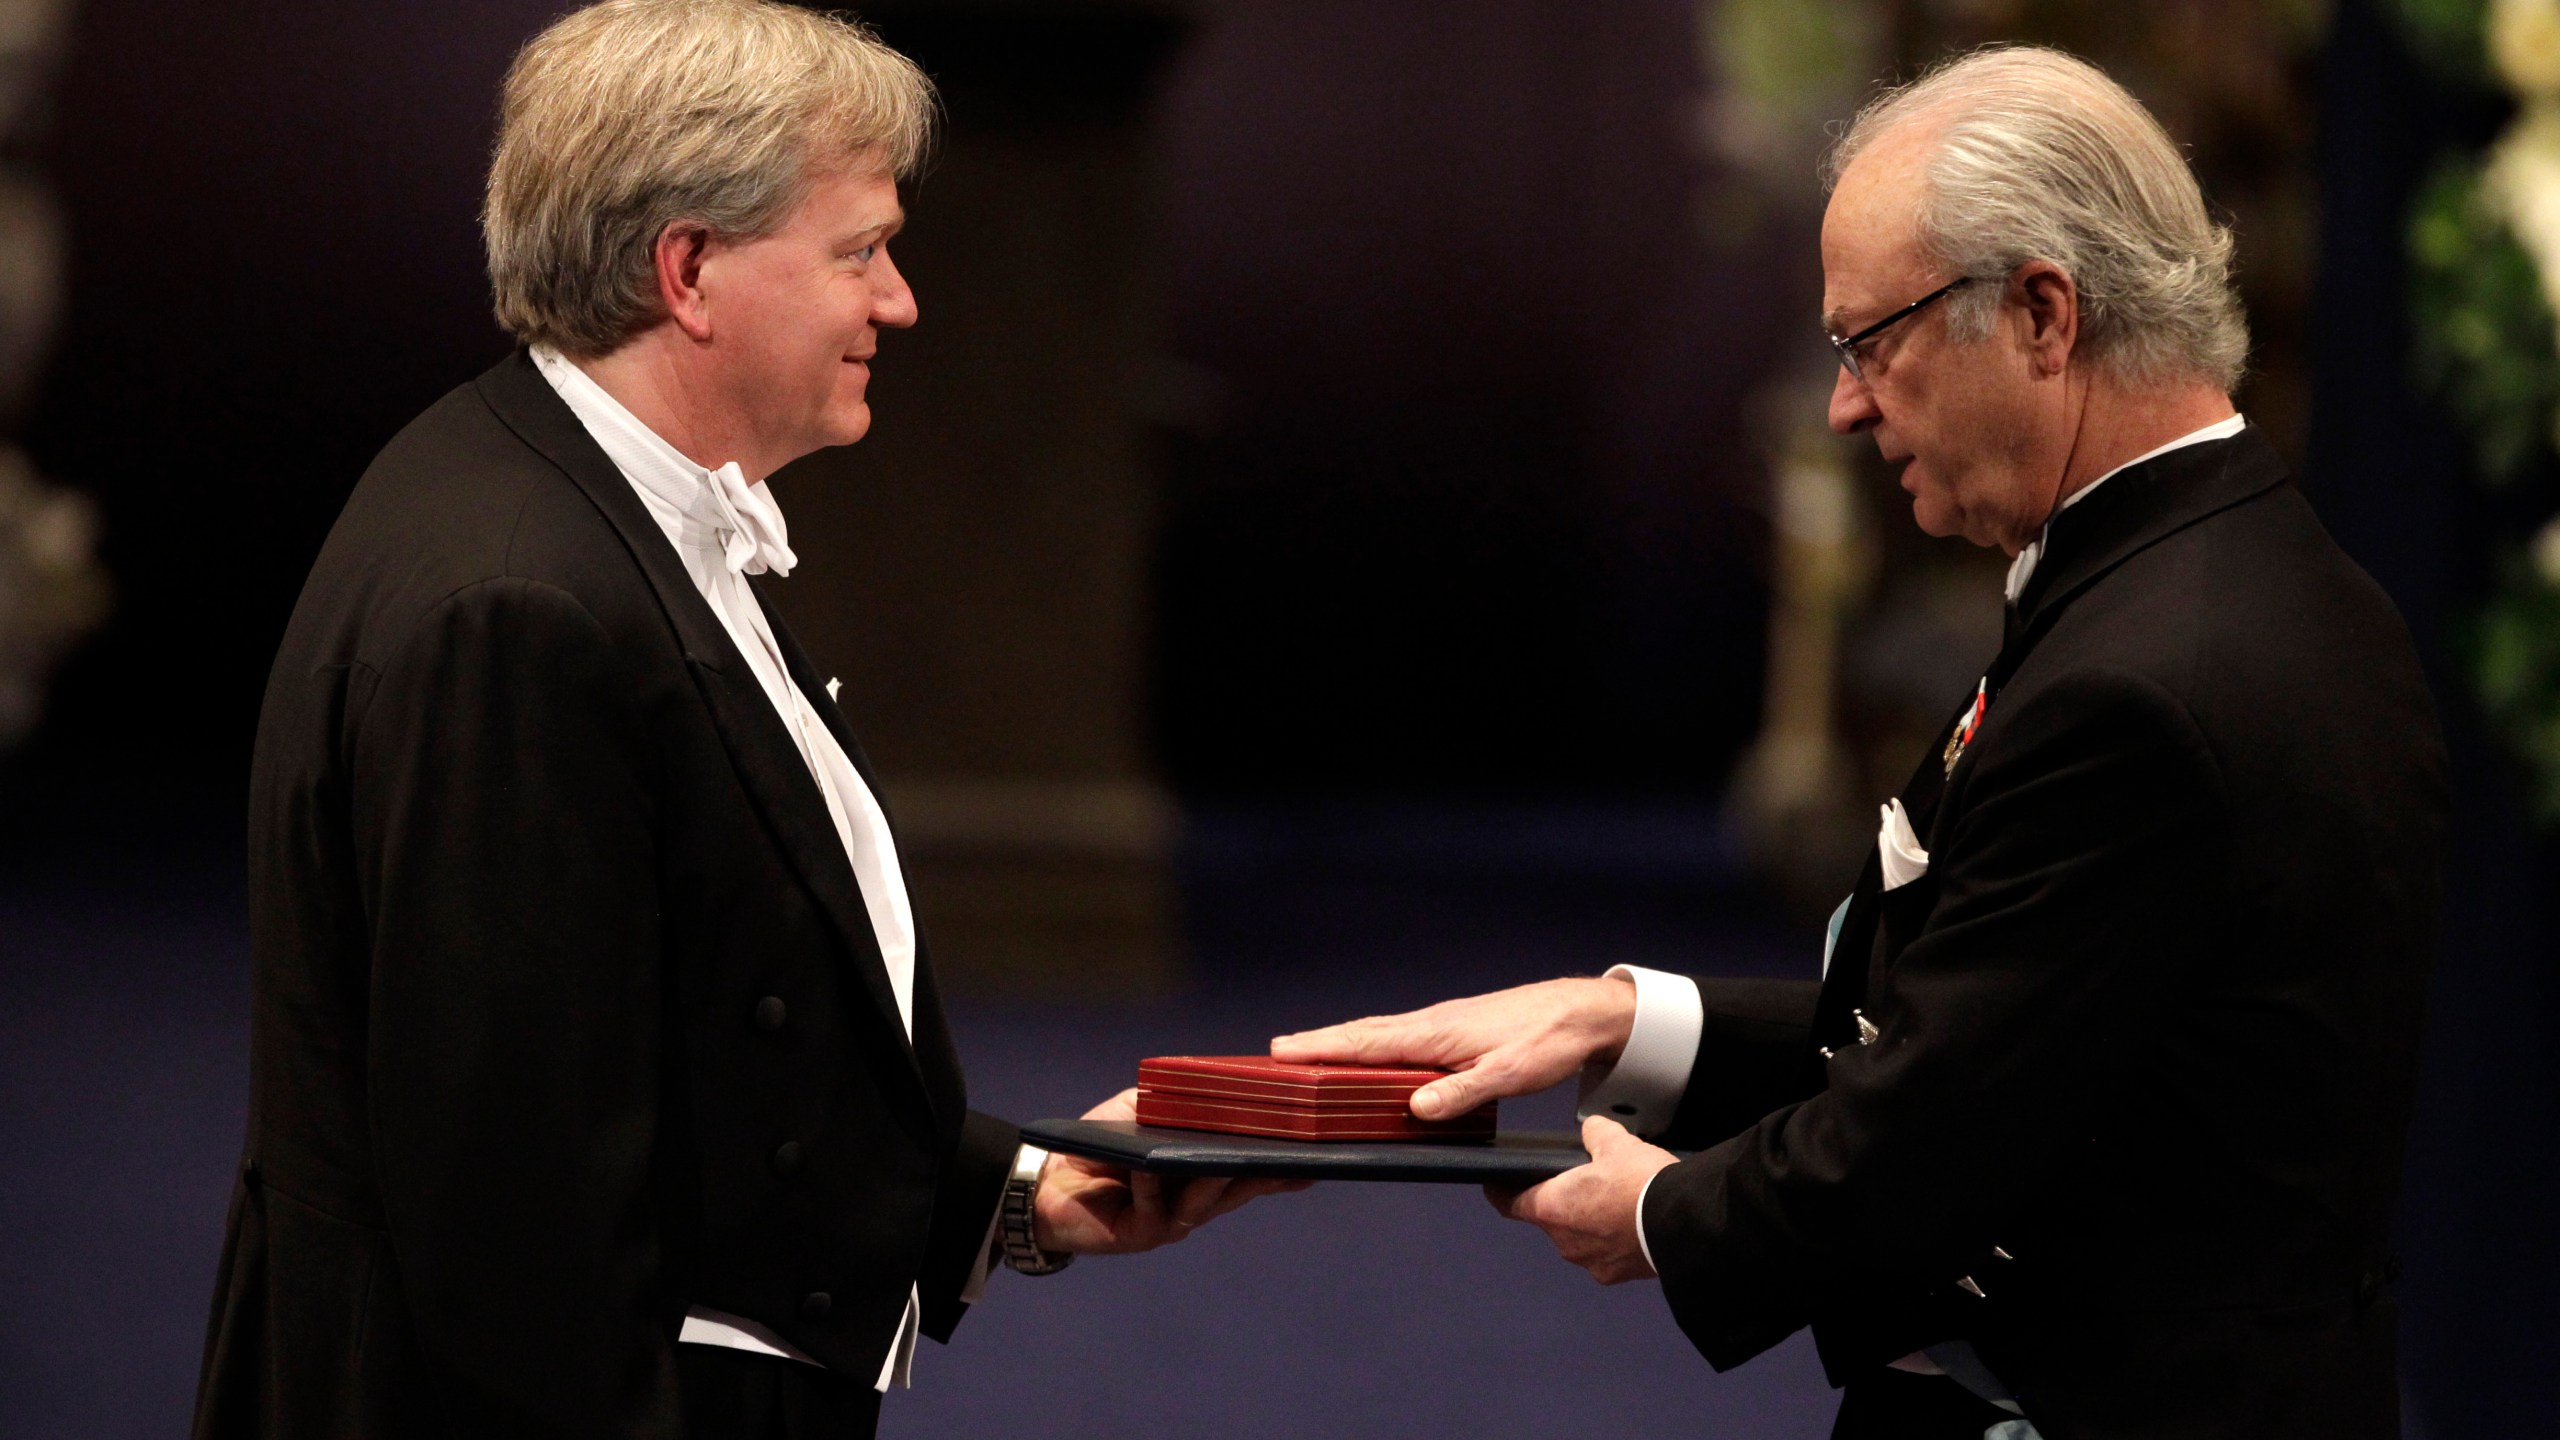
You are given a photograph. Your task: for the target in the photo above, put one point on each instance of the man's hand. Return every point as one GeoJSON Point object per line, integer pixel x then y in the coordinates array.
{"type": "Point", "coordinates": [1511, 1042]}
{"type": "Point", "coordinates": [1089, 1208]}
{"type": "Point", "coordinates": [1590, 1211]}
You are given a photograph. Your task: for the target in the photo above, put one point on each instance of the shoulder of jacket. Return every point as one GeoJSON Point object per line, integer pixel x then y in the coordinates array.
{"type": "Point", "coordinates": [441, 523]}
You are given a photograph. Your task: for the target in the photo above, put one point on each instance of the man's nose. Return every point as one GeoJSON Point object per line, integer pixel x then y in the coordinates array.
{"type": "Point", "coordinates": [1853, 405]}
{"type": "Point", "coordinates": [893, 303]}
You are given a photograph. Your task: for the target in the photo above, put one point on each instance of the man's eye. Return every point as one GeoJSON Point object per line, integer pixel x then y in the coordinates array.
{"type": "Point", "coordinates": [866, 252]}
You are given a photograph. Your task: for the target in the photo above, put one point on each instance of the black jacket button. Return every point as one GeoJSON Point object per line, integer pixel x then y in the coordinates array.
{"type": "Point", "coordinates": [770, 1013]}
{"type": "Point", "coordinates": [815, 1305]}
{"type": "Point", "coordinates": [786, 1159]}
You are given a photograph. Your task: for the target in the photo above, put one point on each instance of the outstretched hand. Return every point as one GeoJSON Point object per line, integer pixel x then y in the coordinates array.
{"type": "Point", "coordinates": [1589, 1212]}
{"type": "Point", "coordinates": [1511, 1042]}
{"type": "Point", "coordinates": [1088, 1207]}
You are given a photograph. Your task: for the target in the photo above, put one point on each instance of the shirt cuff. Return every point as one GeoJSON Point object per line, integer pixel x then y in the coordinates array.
{"type": "Point", "coordinates": [1643, 1089]}
{"type": "Point", "coordinates": [976, 1288]}
{"type": "Point", "coordinates": [1641, 1243]}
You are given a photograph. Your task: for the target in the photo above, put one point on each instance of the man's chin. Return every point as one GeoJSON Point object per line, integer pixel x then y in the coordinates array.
{"type": "Point", "coordinates": [849, 425]}
{"type": "Point", "coordinates": [1934, 519]}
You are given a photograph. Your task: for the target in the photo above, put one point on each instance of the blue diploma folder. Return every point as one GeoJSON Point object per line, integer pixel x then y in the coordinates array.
{"type": "Point", "coordinates": [1514, 1158]}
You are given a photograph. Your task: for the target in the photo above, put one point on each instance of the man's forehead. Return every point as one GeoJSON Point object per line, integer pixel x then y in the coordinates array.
{"type": "Point", "coordinates": [1870, 238]}
{"type": "Point", "coordinates": [852, 202]}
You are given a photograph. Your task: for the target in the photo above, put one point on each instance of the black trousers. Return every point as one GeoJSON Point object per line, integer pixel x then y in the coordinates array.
{"type": "Point", "coordinates": [1892, 1405]}
{"type": "Point", "coordinates": [739, 1395]}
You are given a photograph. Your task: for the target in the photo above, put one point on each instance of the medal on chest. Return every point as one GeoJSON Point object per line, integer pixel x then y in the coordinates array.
{"type": "Point", "coordinates": [1971, 721]}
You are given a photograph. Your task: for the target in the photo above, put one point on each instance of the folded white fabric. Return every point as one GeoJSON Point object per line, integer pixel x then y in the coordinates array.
{"type": "Point", "coordinates": [1899, 847]}
{"type": "Point", "coordinates": [756, 539]}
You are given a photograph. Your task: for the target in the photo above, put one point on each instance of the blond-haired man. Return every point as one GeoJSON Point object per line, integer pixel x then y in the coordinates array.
{"type": "Point", "coordinates": [600, 1085]}
{"type": "Point", "coordinates": [2092, 1126]}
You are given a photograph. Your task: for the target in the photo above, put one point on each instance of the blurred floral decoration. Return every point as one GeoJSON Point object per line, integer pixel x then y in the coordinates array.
{"type": "Point", "coordinates": [52, 589]}
{"type": "Point", "coordinates": [1782, 76]}
{"type": "Point", "coordinates": [2484, 241]}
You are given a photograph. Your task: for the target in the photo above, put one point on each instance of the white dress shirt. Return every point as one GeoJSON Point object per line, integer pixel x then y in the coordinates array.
{"type": "Point", "coordinates": [725, 528]}
{"type": "Point", "coordinates": [1644, 1087]}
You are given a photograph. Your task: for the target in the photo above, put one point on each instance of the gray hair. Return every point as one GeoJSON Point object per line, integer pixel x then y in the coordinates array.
{"type": "Point", "coordinates": [625, 117]}
{"type": "Point", "coordinates": [2037, 155]}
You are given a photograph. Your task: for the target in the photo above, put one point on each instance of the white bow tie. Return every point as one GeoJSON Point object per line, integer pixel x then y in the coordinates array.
{"type": "Point", "coordinates": [753, 538]}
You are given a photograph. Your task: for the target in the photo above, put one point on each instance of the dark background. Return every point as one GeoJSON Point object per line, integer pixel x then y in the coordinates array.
{"type": "Point", "coordinates": [1473, 509]}
{"type": "Point", "coordinates": [1459, 599]}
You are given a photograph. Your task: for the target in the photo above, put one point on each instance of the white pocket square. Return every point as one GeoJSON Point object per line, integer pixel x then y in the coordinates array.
{"type": "Point", "coordinates": [832, 687]}
{"type": "Point", "coordinates": [1899, 848]}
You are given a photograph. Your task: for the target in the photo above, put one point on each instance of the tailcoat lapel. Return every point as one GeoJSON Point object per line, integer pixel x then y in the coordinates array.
{"type": "Point", "coordinates": [1844, 988]}
{"type": "Point", "coordinates": [768, 763]}
{"type": "Point", "coordinates": [2129, 514]}
{"type": "Point", "coordinates": [934, 1047]}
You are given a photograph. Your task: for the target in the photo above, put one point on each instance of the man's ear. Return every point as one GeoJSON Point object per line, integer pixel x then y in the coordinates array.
{"type": "Point", "coordinates": [679, 254]}
{"type": "Point", "coordinates": [2052, 306]}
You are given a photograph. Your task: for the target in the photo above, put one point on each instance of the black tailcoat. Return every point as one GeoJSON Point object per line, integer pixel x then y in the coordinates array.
{"type": "Point", "coordinates": [568, 1014]}
{"type": "Point", "coordinates": [2148, 1024]}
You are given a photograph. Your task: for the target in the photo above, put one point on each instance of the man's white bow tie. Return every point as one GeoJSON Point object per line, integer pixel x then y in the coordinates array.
{"type": "Point", "coordinates": [753, 538]}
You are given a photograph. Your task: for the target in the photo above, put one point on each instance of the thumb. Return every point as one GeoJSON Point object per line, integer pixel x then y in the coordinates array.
{"type": "Point", "coordinates": [1123, 1106]}
{"type": "Point", "coordinates": [1455, 1095]}
{"type": "Point", "coordinates": [1599, 1132]}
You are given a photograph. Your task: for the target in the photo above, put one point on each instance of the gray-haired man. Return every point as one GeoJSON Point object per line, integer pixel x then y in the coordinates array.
{"type": "Point", "coordinates": [2092, 1127]}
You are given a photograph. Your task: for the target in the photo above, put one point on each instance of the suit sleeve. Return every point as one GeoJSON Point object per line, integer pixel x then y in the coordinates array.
{"type": "Point", "coordinates": [2065, 889]}
{"type": "Point", "coordinates": [965, 1206]}
{"type": "Point", "coordinates": [504, 838]}
{"type": "Point", "coordinates": [1752, 1040]}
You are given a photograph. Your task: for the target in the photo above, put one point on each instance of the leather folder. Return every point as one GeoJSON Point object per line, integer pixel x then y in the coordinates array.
{"type": "Point", "coordinates": [1512, 1158]}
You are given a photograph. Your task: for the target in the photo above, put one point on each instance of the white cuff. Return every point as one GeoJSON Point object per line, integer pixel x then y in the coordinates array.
{"type": "Point", "coordinates": [899, 1367]}
{"type": "Point", "coordinates": [976, 1288]}
{"type": "Point", "coordinates": [1641, 1243]}
{"type": "Point", "coordinates": [1643, 1089]}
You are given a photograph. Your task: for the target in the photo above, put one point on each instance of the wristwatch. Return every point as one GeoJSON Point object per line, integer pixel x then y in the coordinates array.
{"type": "Point", "coordinates": [1022, 1252]}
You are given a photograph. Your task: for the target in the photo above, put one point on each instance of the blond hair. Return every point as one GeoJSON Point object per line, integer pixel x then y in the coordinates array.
{"type": "Point", "coordinates": [624, 117]}
{"type": "Point", "coordinates": [2038, 155]}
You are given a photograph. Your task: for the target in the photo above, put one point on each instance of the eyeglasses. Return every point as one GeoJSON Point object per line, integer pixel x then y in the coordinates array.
{"type": "Point", "coordinates": [1849, 346]}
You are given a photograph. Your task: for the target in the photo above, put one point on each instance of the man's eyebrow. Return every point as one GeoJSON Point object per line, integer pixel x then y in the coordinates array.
{"type": "Point", "coordinates": [879, 231]}
{"type": "Point", "coordinates": [1835, 321]}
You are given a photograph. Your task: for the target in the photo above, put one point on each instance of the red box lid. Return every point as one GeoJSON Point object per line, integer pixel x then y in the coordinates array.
{"type": "Point", "coordinates": [1299, 1122]}
{"type": "Point", "coordinates": [1259, 1077]}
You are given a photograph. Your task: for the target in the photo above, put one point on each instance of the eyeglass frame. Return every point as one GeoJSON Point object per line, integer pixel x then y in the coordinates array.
{"type": "Point", "coordinates": [1848, 346]}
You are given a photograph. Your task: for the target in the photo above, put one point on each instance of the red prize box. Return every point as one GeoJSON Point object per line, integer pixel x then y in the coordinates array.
{"type": "Point", "coordinates": [1256, 1095]}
